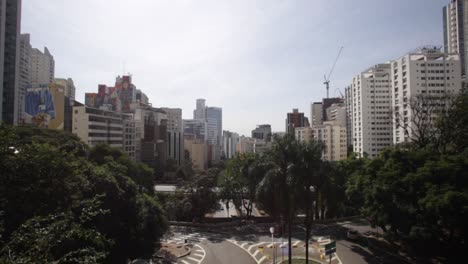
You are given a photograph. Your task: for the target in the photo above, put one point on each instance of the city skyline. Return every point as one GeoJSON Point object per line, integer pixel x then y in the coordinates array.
{"type": "Point", "coordinates": [257, 61]}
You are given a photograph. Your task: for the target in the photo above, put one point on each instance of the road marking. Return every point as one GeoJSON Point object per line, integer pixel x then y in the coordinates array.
{"type": "Point", "coordinates": [270, 246]}
{"type": "Point", "coordinates": [296, 243]}
{"type": "Point", "coordinates": [256, 252]}
{"type": "Point", "coordinates": [185, 262]}
{"type": "Point", "coordinates": [243, 244]}
{"type": "Point", "coordinates": [262, 259]}
{"type": "Point", "coordinates": [283, 245]}
{"type": "Point", "coordinates": [234, 242]}
{"type": "Point", "coordinates": [198, 255]}
{"type": "Point", "coordinates": [338, 258]}
{"type": "Point", "coordinates": [204, 253]}
{"type": "Point", "coordinates": [198, 250]}
{"type": "Point", "coordinates": [194, 259]}
{"type": "Point", "coordinates": [255, 245]}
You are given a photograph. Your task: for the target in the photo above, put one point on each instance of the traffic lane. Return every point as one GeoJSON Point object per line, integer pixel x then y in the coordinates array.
{"type": "Point", "coordinates": [225, 252]}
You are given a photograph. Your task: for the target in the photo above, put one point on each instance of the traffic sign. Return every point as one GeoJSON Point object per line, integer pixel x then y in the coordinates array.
{"type": "Point", "coordinates": [330, 245]}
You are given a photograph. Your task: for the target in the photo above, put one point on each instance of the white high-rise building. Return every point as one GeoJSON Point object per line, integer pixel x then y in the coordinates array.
{"type": "Point", "coordinates": [42, 67]}
{"type": "Point", "coordinates": [370, 103]}
{"type": "Point", "coordinates": [230, 140]}
{"type": "Point", "coordinates": [426, 74]}
{"type": "Point", "coordinates": [333, 137]}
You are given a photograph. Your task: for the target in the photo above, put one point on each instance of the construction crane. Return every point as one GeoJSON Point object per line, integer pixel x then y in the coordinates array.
{"type": "Point", "coordinates": [327, 79]}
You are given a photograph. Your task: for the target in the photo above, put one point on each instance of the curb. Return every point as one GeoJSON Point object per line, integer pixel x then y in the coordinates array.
{"type": "Point", "coordinates": [189, 250]}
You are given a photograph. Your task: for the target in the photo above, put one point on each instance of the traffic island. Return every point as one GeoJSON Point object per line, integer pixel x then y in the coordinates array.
{"type": "Point", "coordinates": [176, 250]}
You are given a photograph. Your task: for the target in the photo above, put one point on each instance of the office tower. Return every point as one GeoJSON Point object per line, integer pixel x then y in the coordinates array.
{"type": "Point", "coordinates": [423, 80]}
{"type": "Point", "coordinates": [200, 112]}
{"type": "Point", "coordinates": [230, 140]}
{"type": "Point", "coordinates": [42, 67]}
{"type": "Point", "coordinates": [175, 134]}
{"type": "Point", "coordinates": [262, 132]}
{"type": "Point", "coordinates": [10, 27]}
{"type": "Point", "coordinates": [455, 21]}
{"type": "Point", "coordinates": [316, 114]}
{"type": "Point", "coordinates": [214, 118]}
{"type": "Point", "coordinates": [24, 74]}
{"type": "Point", "coordinates": [195, 129]}
{"type": "Point", "coordinates": [295, 119]}
{"type": "Point", "coordinates": [371, 107]}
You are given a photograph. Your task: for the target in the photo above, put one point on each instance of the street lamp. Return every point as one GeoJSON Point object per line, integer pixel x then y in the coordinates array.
{"type": "Point", "coordinates": [272, 231]}
{"type": "Point", "coordinates": [309, 190]}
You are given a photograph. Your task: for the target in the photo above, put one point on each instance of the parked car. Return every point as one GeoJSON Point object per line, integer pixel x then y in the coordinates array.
{"type": "Point", "coordinates": [352, 234]}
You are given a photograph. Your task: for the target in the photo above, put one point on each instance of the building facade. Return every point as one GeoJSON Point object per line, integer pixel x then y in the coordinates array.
{"type": "Point", "coordinates": [333, 137]}
{"type": "Point", "coordinates": [230, 140]}
{"type": "Point", "coordinates": [96, 126]}
{"type": "Point", "coordinates": [262, 132]}
{"type": "Point", "coordinates": [24, 74]}
{"type": "Point", "coordinates": [295, 119]}
{"type": "Point", "coordinates": [10, 28]}
{"type": "Point", "coordinates": [425, 74]}
{"type": "Point", "coordinates": [42, 67]}
{"type": "Point", "coordinates": [370, 112]}
{"type": "Point", "coordinates": [70, 89]}
{"type": "Point", "coordinates": [455, 26]}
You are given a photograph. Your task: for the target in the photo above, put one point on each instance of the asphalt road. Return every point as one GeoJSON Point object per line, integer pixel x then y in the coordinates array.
{"type": "Point", "coordinates": [225, 252]}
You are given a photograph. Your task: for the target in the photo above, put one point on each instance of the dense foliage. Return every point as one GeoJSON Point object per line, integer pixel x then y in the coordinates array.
{"type": "Point", "coordinates": [61, 202]}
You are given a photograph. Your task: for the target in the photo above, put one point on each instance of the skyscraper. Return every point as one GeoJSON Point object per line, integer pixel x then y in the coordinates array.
{"type": "Point", "coordinates": [10, 27]}
{"type": "Point", "coordinates": [371, 105]}
{"type": "Point", "coordinates": [455, 19]}
{"type": "Point", "coordinates": [42, 67]}
{"type": "Point", "coordinates": [262, 132]}
{"type": "Point", "coordinates": [24, 73]}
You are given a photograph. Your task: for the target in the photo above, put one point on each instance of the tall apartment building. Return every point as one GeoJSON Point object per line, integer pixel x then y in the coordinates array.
{"type": "Point", "coordinates": [96, 126]}
{"type": "Point", "coordinates": [42, 67]}
{"type": "Point", "coordinates": [333, 137]}
{"type": "Point", "coordinates": [369, 110]}
{"type": "Point", "coordinates": [24, 74]}
{"type": "Point", "coordinates": [230, 140]}
{"type": "Point", "coordinates": [316, 114]}
{"type": "Point", "coordinates": [295, 119]}
{"type": "Point", "coordinates": [10, 27]}
{"type": "Point", "coordinates": [262, 132]}
{"type": "Point", "coordinates": [304, 134]}
{"type": "Point", "coordinates": [175, 134]}
{"type": "Point", "coordinates": [425, 74]}
{"type": "Point", "coordinates": [455, 21]}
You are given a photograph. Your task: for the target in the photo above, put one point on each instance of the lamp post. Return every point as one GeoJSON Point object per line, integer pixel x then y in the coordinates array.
{"type": "Point", "coordinates": [272, 231]}
{"type": "Point", "coordinates": [309, 190]}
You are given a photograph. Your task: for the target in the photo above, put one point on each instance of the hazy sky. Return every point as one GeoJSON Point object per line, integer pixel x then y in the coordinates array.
{"type": "Point", "coordinates": [257, 59]}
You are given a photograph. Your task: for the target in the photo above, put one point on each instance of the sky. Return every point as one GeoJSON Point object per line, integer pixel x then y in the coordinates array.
{"type": "Point", "coordinates": [257, 59]}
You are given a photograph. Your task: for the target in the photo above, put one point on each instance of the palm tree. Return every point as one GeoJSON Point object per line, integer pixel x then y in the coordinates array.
{"type": "Point", "coordinates": [276, 187]}
{"type": "Point", "coordinates": [306, 175]}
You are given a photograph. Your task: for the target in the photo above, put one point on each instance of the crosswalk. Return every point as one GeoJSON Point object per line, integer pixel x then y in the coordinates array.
{"type": "Point", "coordinates": [262, 252]}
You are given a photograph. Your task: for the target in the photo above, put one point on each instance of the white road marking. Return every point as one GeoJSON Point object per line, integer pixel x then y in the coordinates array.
{"type": "Point", "coordinates": [256, 252]}
{"type": "Point", "coordinates": [194, 259]}
{"type": "Point", "coordinates": [262, 259]}
{"type": "Point", "coordinates": [283, 245]}
{"type": "Point", "coordinates": [243, 244]}
{"type": "Point", "coordinates": [256, 245]}
{"type": "Point", "coordinates": [185, 262]}
{"type": "Point", "coordinates": [198, 255]}
{"type": "Point", "coordinates": [269, 245]}
{"type": "Point", "coordinates": [296, 243]}
{"type": "Point", "coordinates": [204, 253]}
